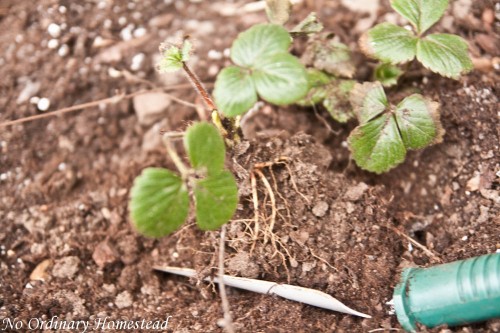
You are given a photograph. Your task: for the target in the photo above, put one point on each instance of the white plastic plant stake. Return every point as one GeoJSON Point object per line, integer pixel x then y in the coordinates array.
{"type": "Point", "coordinates": [294, 293]}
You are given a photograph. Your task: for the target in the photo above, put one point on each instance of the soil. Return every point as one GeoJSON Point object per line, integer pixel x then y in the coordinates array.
{"type": "Point", "coordinates": [67, 248]}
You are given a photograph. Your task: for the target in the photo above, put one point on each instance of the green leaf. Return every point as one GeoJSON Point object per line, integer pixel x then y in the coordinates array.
{"type": "Point", "coordinates": [205, 147]}
{"type": "Point", "coordinates": [280, 78]}
{"type": "Point", "coordinates": [259, 41]}
{"type": "Point", "coordinates": [387, 74]}
{"type": "Point", "coordinates": [332, 92]}
{"type": "Point", "coordinates": [316, 81]}
{"type": "Point", "coordinates": [368, 101]}
{"type": "Point", "coordinates": [377, 146]}
{"type": "Point", "coordinates": [330, 56]}
{"type": "Point", "coordinates": [186, 50]}
{"type": "Point", "coordinates": [421, 13]}
{"type": "Point", "coordinates": [337, 100]}
{"type": "Point", "coordinates": [234, 91]}
{"type": "Point", "coordinates": [418, 122]}
{"type": "Point", "coordinates": [317, 78]}
{"type": "Point", "coordinates": [309, 25]}
{"type": "Point", "coordinates": [216, 200]}
{"type": "Point", "coordinates": [444, 54]}
{"type": "Point", "coordinates": [174, 56]}
{"type": "Point", "coordinates": [159, 202]}
{"type": "Point", "coordinates": [278, 11]}
{"type": "Point", "coordinates": [389, 43]}
{"type": "Point", "coordinates": [171, 60]}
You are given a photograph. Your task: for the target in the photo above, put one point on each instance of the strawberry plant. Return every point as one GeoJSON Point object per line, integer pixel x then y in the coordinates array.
{"type": "Point", "coordinates": [387, 74]}
{"type": "Point", "coordinates": [263, 68]}
{"type": "Point", "coordinates": [331, 92]}
{"type": "Point", "coordinates": [160, 198]}
{"type": "Point", "coordinates": [445, 54]}
{"type": "Point", "coordinates": [329, 74]}
{"type": "Point", "coordinates": [386, 132]}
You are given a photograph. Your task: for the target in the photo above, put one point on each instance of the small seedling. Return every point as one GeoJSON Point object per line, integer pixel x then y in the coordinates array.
{"type": "Point", "coordinates": [331, 92]}
{"type": "Point", "coordinates": [263, 68]}
{"type": "Point", "coordinates": [387, 74]}
{"type": "Point", "coordinates": [444, 54]}
{"type": "Point", "coordinates": [160, 198]}
{"type": "Point", "coordinates": [386, 132]}
{"type": "Point", "coordinates": [330, 63]}
{"type": "Point", "coordinates": [174, 58]}
{"type": "Point", "coordinates": [309, 25]}
{"type": "Point", "coordinates": [329, 55]}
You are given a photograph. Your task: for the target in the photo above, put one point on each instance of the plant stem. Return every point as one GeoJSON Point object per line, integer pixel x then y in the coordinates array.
{"type": "Point", "coordinates": [229, 128]}
{"type": "Point", "coordinates": [199, 87]}
{"type": "Point", "coordinates": [228, 321]}
{"type": "Point", "coordinates": [183, 169]}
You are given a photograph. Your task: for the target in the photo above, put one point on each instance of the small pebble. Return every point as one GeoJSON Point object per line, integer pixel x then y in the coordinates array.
{"type": "Point", "coordinates": [139, 32]}
{"type": "Point", "coordinates": [102, 4]}
{"type": "Point", "coordinates": [43, 104]}
{"type": "Point", "coordinates": [122, 20]}
{"type": "Point", "coordinates": [107, 24]}
{"type": "Point", "coordinates": [320, 209]}
{"type": "Point", "coordinates": [54, 30]}
{"type": "Point", "coordinates": [126, 33]}
{"type": "Point", "coordinates": [214, 55]}
{"type": "Point", "coordinates": [137, 61]}
{"type": "Point", "coordinates": [66, 267]}
{"type": "Point", "coordinates": [53, 43]}
{"type": "Point", "coordinates": [123, 300]}
{"type": "Point", "coordinates": [63, 50]}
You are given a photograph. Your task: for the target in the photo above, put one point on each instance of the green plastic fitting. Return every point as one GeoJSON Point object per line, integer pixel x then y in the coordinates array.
{"type": "Point", "coordinates": [456, 293]}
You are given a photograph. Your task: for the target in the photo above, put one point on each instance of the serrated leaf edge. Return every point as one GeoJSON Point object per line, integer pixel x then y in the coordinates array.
{"type": "Point", "coordinates": [450, 76]}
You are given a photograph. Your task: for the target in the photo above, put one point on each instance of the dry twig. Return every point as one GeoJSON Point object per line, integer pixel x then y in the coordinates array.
{"type": "Point", "coordinates": [109, 100]}
{"type": "Point", "coordinates": [428, 252]}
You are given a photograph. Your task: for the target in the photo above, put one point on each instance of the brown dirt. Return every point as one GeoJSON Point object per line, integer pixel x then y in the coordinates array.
{"type": "Point", "coordinates": [65, 180]}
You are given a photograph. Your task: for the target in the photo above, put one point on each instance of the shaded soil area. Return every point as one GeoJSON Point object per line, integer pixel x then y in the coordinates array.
{"type": "Point", "coordinates": [66, 245]}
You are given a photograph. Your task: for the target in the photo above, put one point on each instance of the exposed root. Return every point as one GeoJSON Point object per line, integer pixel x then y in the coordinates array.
{"type": "Point", "coordinates": [273, 206]}
{"type": "Point", "coordinates": [324, 121]}
{"type": "Point", "coordinates": [321, 259]}
{"type": "Point", "coordinates": [275, 185]}
{"type": "Point", "coordinates": [255, 200]}
{"type": "Point", "coordinates": [292, 180]}
{"type": "Point", "coordinates": [270, 192]}
{"type": "Point", "coordinates": [228, 320]}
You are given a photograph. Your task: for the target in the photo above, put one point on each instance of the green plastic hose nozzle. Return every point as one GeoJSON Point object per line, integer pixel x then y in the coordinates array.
{"type": "Point", "coordinates": [456, 293]}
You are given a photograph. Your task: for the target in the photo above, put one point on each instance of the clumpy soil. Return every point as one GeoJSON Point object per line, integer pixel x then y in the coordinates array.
{"type": "Point", "coordinates": [67, 248]}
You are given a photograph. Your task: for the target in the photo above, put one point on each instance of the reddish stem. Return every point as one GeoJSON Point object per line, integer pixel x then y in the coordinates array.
{"type": "Point", "coordinates": [199, 87]}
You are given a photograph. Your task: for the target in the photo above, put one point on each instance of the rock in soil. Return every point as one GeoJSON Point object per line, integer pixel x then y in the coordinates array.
{"type": "Point", "coordinates": [150, 107]}
{"type": "Point", "coordinates": [66, 267]}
